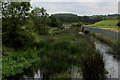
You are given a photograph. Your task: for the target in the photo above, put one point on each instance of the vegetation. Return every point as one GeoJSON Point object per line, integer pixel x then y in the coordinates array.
{"type": "Point", "coordinates": [107, 25]}
{"type": "Point", "coordinates": [15, 62]}
{"type": "Point", "coordinates": [34, 40]}
{"type": "Point", "coordinates": [72, 18]}
{"type": "Point", "coordinates": [111, 42]}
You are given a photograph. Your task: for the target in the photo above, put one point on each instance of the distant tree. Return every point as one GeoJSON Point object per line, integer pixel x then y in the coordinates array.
{"type": "Point", "coordinates": [55, 22]}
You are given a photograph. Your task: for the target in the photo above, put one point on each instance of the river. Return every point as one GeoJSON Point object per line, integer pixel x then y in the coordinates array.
{"type": "Point", "coordinates": [111, 61]}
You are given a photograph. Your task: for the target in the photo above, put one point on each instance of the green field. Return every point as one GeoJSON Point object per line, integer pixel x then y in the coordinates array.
{"type": "Point", "coordinates": [105, 23]}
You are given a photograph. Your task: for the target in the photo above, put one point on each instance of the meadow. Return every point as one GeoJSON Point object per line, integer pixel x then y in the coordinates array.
{"type": "Point", "coordinates": [106, 24]}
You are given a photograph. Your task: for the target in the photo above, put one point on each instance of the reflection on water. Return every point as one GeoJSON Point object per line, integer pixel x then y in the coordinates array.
{"type": "Point", "coordinates": [111, 62]}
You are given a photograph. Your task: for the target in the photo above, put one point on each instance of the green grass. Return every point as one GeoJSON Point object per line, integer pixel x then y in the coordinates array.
{"type": "Point", "coordinates": [105, 23]}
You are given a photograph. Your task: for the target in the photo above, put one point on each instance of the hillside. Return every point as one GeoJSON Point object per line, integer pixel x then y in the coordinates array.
{"type": "Point", "coordinates": [105, 23]}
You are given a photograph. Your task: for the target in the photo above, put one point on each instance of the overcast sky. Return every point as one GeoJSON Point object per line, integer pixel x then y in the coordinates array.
{"type": "Point", "coordinates": [79, 7]}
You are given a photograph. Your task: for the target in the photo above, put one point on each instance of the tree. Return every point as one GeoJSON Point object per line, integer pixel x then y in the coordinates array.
{"type": "Point", "coordinates": [41, 20]}
{"type": "Point", "coordinates": [16, 11]}
{"type": "Point", "coordinates": [14, 16]}
{"type": "Point", "coordinates": [55, 22]}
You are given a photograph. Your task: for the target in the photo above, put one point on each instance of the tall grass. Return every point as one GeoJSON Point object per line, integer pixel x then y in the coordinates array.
{"type": "Point", "coordinates": [58, 57]}
{"type": "Point", "coordinates": [55, 56]}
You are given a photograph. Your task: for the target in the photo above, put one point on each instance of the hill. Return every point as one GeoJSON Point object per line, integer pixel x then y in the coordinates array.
{"type": "Point", "coordinates": [105, 23]}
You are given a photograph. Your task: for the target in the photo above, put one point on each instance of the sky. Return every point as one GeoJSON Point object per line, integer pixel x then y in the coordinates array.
{"type": "Point", "coordinates": [79, 7]}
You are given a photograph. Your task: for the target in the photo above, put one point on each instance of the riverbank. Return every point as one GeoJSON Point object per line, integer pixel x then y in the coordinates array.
{"type": "Point", "coordinates": [111, 42]}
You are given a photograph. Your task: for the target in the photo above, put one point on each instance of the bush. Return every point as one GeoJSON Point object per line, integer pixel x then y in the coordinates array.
{"type": "Point", "coordinates": [18, 39]}
{"type": "Point", "coordinates": [15, 62]}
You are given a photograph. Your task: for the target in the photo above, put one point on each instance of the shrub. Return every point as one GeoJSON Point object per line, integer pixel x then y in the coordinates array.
{"type": "Point", "coordinates": [15, 62]}
{"type": "Point", "coordinates": [19, 39]}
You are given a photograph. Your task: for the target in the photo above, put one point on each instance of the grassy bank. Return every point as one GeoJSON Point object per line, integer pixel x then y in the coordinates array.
{"type": "Point", "coordinates": [106, 24]}
{"type": "Point", "coordinates": [111, 42]}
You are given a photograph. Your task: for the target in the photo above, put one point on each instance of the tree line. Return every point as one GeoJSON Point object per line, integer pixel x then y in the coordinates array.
{"type": "Point", "coordinates": [70, 18]}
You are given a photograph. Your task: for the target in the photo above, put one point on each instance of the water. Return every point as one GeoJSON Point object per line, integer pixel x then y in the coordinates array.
{"type": "Point", "coordinates": [111, 62]}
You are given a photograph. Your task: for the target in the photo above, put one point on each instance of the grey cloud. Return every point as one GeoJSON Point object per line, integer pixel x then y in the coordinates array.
{"type": "Point", "coordinates": [80, 8]}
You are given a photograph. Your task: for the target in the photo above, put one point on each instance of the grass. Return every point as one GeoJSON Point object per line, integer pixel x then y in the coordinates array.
{"type": "Point", "coordinates": [106, 24]}
{"type": "Point", "coordinates": [56, 55]}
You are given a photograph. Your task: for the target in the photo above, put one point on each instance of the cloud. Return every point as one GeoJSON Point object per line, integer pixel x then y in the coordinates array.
{"type": "Point", "coordinates": [74, 0]}
{"type": "Point", "coordinates": [80, 8]}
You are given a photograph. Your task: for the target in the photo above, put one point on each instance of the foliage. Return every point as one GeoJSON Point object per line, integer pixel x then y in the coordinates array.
{"type": "Point", "coordinates": [13, 16]}
{"type": "Point", "coordinates": [40, 20]}
{"type": "Point", "coordinates": [15, 62]}
{"type": "Point", "coordinates": [16, 11]}
{"type": "Point", "coordinates": [55, 22]}
{"type": "Point", "coordinates": [18, 39]}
